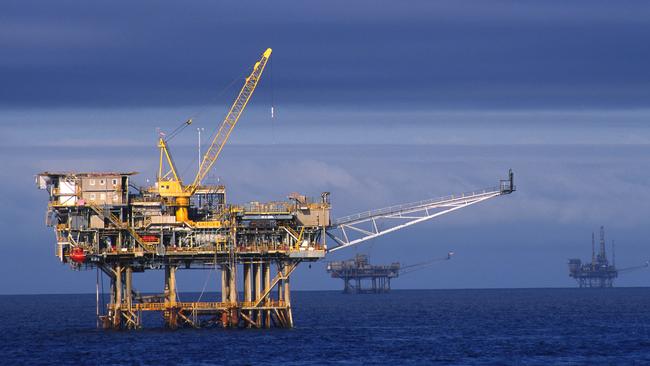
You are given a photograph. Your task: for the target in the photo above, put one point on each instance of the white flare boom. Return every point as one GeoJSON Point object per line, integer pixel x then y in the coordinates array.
{"type": "Point", "coordinates": [354, 229]}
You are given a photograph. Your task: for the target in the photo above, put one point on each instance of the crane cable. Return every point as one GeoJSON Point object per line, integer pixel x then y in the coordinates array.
{"type": "Point", "coordinates": [178, 129]}
{"type": "Point", "coordinates": [200, 113]}
{"type": "Point", "coordinates": [97, 297]}
{"type": "Point", "coordinates": [207, 277]}
{"type": "Point", "coordinates": [273, 140]}
{"type": "Point", "coordinates": [223, 91]}
{"type": "Point", "coordinates": [230, 121]}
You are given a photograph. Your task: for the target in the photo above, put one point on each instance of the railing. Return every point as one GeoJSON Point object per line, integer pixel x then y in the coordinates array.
{"type": "Point", "coordinates": [162, 306]}
{"type": "Point", "coordinates": [144, 199]}
{"type": "Point", "coordinates": [220, 248]}
{"type": "Point", "coordinates": [280, 207]}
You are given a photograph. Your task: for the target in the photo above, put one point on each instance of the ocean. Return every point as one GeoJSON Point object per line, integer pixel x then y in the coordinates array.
{"type": "Point", "coordinates": [404, 327]}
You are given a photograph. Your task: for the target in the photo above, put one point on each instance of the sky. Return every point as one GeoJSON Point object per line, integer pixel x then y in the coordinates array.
{"type": "Point", "coordinates": [378, 102]}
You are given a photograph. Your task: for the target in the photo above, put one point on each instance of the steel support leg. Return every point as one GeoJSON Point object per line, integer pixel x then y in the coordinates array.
{"type": "Point", "coordinates": [287, 297]}
{"type": "Point", "coordinates": [170, 315]}
{"type": "Point", "coordinates": [266, 268]}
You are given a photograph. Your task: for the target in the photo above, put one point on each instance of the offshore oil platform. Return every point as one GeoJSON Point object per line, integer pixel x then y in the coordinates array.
{"type": "Point", "coordinates": [598, 273]}
{"type": "Point", "coordinates": [357, 271]}
{"type": "Point", "coordinates": [103, 221]}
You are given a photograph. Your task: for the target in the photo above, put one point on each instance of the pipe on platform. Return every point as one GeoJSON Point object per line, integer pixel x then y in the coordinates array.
{"type": "Point", "coordinates": [266, 269]}
{"type": "Point", "coordinates": [257, 274]}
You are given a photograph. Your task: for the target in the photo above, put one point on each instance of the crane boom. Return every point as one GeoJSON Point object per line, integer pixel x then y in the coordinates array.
{"type": "Point", "coordinates": [228, 124]}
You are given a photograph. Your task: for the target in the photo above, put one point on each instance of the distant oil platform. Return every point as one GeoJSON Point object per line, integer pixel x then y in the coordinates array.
{"type": "Point", "coordinates": [598, 273]}
{"type": "Point", "coordinates": [354, 272]}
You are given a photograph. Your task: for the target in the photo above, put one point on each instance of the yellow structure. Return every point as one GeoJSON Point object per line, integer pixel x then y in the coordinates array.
{"type": "Point", "coordinates": [170, 185]}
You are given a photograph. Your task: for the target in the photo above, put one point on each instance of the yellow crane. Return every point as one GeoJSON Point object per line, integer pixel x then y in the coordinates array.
{"type": "Point", "coordinates": [169, 184]}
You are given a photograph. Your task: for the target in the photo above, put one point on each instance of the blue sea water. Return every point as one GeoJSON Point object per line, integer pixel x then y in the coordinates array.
{"type": "Point", "coordinates": [459, 327]}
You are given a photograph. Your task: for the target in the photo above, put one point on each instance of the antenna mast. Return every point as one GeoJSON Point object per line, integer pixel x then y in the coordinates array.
{"type": "Point", "coordinates": [601, 254]}
{"type": "Point", "coordinates": [593, 249]}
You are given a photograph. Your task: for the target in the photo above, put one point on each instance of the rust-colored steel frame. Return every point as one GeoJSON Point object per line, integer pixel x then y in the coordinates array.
{"type": "Point", "coordinates": [266, 300]}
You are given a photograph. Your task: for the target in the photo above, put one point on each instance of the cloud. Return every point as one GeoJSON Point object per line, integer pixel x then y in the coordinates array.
{"type": "Point", "coordinates": [136, 127]}
{"type": "Point", "coordinates": [51, 34]}
{"type": "Point", "coordinates": [444, 54]}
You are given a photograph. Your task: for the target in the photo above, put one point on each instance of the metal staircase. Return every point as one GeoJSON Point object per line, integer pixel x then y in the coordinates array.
{"type": "Point", "coordinates": [103, 213]}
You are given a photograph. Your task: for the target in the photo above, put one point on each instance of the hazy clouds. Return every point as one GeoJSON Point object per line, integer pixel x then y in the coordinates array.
{"type": "Point", "coordinates": [445, 54]}
{"type": "Point", "coordinates": [377, 102]}
{"type": "Point", "coordinates": [524, 239]}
